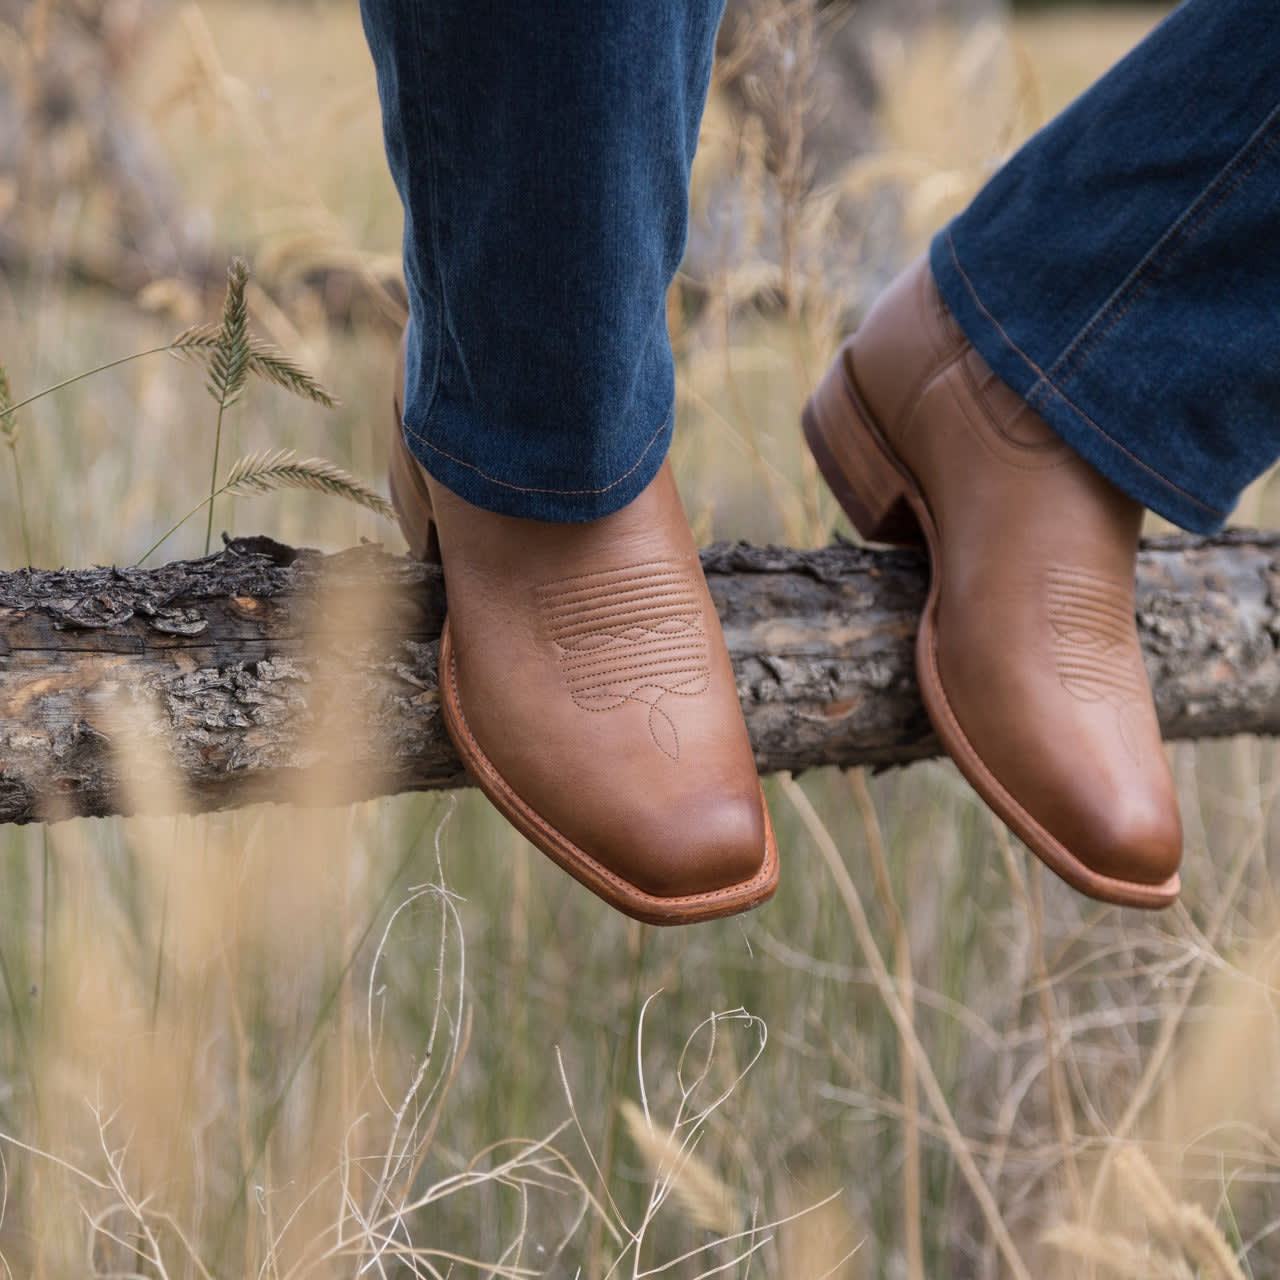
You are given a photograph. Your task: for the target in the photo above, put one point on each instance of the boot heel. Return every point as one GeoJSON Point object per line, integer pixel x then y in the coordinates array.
{"type": "Point", "coordinates": [412, 502]}
{"type": "Point", "coordinates": [409, 493]}
{"type": "Point", "coordinates": [857, 467]}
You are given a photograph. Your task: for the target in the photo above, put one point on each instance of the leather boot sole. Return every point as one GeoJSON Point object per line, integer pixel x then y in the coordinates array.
{"type": "Point", "coordinates": [884, 501]}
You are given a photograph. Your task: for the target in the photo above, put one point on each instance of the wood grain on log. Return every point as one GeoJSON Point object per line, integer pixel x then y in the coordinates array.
{"type": "Point", "coordinates": [269, 673]}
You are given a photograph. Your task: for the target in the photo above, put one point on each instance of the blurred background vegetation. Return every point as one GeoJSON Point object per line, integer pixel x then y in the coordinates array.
{"type": "Point", "coordinates": [393, 1040]}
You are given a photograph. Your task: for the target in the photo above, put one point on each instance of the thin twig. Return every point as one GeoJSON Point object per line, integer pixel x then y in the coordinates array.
{"type": "Point", "coordinates": [889, 994]}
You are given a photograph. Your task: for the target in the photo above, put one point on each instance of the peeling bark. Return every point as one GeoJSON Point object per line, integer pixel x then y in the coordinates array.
{"type": "Point", "coordinates": [269, 673]}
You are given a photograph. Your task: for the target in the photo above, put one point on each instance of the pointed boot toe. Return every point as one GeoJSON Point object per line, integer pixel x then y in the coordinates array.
{"type": "Point", "coordinates": [1136, 839]}
{"type": "Point", "coordinates": [702, 848]}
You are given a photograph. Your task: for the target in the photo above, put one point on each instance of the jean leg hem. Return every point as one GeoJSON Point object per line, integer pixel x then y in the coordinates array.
{"type": "Point", "coordinates": [534, 501]}
{"type": "Point", "coordinates": [1102, 448]}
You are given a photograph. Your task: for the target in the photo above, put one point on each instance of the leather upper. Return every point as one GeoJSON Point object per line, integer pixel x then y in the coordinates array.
{"type": "Point", "coordinates": [1034, 640]}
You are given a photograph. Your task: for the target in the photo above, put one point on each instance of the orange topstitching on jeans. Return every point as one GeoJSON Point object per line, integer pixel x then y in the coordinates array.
{"type": "Point", "coordinates": [1048, 383]}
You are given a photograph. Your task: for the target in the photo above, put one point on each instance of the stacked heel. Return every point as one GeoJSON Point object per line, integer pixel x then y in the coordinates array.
{"type": "Point", "coordinates": [854, 459]}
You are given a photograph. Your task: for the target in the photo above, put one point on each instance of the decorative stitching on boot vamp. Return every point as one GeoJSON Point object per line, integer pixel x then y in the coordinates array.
{"type": "Point", "coordinates": [631, 635]}
{"type": "Point", "coordinates": [1094, 644]}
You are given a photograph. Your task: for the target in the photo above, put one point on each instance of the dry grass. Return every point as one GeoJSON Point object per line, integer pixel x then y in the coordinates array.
{"type": "Point", "coordinates": [293, 1042]}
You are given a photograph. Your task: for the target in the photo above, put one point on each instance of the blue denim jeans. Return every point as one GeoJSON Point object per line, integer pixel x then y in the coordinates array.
{"type": "Point", "coordinates": [1122, 272]}
{"type": "Point", "coordinates": [542, 154]}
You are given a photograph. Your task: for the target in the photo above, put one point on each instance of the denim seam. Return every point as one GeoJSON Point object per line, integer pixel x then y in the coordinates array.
{"type": "Point", "coordinates": [430, 121]}
{"type": "Point", "coordinates": [1141, 278]}
{"type": "Point", "coordinates": [521, 488]}
{"type": "Point", "coordinates": [1045, 383]}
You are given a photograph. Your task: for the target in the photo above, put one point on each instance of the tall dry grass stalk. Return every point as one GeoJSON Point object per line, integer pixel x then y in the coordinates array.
{"type": "Point", "coordinates": [306, 1040]}
{"type": "Point", "coordinates": [159, 1126]}
{"type": "Point", "coordinates": [898, 1010]}
{"type": "Point", "coordinates": [255, 158]}
{"type": "Point", "coordinates": [1208, 1100]}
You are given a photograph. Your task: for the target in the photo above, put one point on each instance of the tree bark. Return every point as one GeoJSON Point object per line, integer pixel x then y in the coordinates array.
{"type": "Point", "coordinates": [269, 673]}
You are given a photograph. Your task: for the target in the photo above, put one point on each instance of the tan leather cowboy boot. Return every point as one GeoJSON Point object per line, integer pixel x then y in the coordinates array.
{"type": "Point", "coordinates": [585, 683]}
{"type": "Point", "coordinates": [1027, 652]}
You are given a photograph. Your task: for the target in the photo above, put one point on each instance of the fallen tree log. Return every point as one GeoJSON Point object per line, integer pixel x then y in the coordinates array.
{"type": "Point", "coordinates": [268, 673]}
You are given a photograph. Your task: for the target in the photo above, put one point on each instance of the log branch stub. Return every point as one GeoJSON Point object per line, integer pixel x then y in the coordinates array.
{"type": "Point", "coordinates": [266, 672]}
